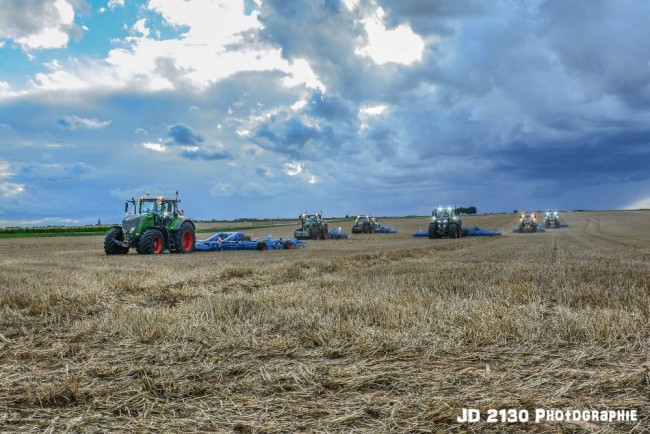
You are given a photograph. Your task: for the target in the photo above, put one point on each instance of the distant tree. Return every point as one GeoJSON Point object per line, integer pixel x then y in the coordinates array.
{"type": "Point", "coordinates": [470, 210]}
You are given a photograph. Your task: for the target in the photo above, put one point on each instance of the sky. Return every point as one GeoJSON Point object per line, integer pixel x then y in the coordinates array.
{"type": "Point", "coordinates": [270, 108]}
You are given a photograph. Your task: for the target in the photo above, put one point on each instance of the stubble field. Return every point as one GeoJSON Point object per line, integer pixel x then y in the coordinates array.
{"type": "Point", "coordinates": [378, 333]}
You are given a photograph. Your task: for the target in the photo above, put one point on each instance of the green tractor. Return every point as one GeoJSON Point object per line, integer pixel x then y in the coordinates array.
{"type": "Point", "coordinates": [154, 226]}
{"type": "Point", "coordinates": [312, 226]}
{"type": "Point", "coordinates": [445, 223]}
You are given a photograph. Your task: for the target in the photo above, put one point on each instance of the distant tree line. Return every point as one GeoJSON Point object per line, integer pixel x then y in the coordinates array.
{"type": "Point", "coordinates": [470, 210]}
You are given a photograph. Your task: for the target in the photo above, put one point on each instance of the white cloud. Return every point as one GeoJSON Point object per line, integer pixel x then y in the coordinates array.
{"type": "Point", "coordinates": [399, 45]}
{"type": "Point", "coordinates": [74, 122]}
{"type": "Point", "coordinates": [5, 170]}
{"type": "Point", "coordinates": [293, 169]}
{"type": "Point", "coordinates": [301, 73]}
{"type": "Point", "coordinates": [112, 4]}
{"type": "Point", "coordinates": [199, 57]}
{"type": "Point", "coordinates": [10, 189]}
{"type": "Point", "coordinates": [296, 169]}
{"type": "Point", "coordinates": [141, 27]}
{"type": "Point", "coordinates": [53, 34]}
{"type": "Point", "coordinates": [372, 110]}
{"type": "Point", "coordinates": [154, 146]}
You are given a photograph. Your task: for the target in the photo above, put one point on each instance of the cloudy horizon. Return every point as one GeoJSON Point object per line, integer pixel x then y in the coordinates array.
{"type": "Point", "coordinates": [269, 108]}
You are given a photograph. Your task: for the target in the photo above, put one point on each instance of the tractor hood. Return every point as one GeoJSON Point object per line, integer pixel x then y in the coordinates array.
{"type": "Point", "coordinates": [130, 223]}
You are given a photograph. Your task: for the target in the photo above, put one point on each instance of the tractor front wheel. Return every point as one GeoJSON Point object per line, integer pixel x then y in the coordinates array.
{"type": "Point", "coordinates": [452, 231]}
{"type": "Point", "coordinates": [151, 242]}
{"type": "Point", "coordinates": [185, 238]}
{"type": "Point", "coordinates": [109, 243]}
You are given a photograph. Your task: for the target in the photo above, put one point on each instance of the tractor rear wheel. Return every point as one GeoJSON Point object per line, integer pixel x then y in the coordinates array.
{"type": "Point", "coordinates": [109, 243]}
{"type": "Point", "coordinates": [152, 242]}
{"type": "Point", "coordinates": [185, 238]}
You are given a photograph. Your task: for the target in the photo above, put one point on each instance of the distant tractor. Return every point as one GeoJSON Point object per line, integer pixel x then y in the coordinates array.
{"type": "Point", "coordinates": [552, 220]}
{"type": "Point", "coordinates": [155, 225]}
{"type": "Point", "coordinates": [312, 227]}
{"type": "Point", "coordinates": [364, 224]}
{"type": "Point", "coordinates": [445, 223]}
{"type": "Point", "coordinates": [527, 222]}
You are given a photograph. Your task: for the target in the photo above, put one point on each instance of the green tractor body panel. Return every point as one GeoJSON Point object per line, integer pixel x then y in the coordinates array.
{"type": "Point", "coordinates": [364, 224]}
{"type": "Point", "coordinates": [155, 225]}
{"type": "Point", "coordinates": [445, 223]}
{"type": "Point", "coordinates": [552, 220]}
{"type": "Point", "coordinates": [527, 222]}
{"type": "Point", "coordinates": [312, 226]}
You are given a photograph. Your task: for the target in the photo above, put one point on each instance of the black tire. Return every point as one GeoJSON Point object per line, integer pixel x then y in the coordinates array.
{"type": "Point", "coordinates": [326, 232]}
{"type": "Point", "coordinates": [534, 228]}
{"type": "Point", "coordinates": [185, 238]}
{"type": "Point", "coordinates": [432, 232]}
{"type": "Point", "coordinates": [452, 231]}
{"type": "Point", "coordinates": [109, 243]}
{"type": "Point", "coordinates": [557, 224]}
{"type": "Point", "coordinates": [152, 242]}
{"type": "Point", "coordinates": [464, 232]}
{"type": "Point", "coordinates": [287, 245]}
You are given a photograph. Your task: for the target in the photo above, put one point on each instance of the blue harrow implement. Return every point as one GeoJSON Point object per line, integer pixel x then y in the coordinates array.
{"type": "Point", "coordinates": [337, 234]}
{"type": "Point", "coordinates": [474, 231]}
{"type": "Point", "coordinates": [239, 241]}
{"type": "Point", "coordinates": [380, 229]}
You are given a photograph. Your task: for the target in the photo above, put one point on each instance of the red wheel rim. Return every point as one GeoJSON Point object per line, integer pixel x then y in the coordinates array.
{"type": "Point", "coordinates": [187, 240]}
{"type": "Point", "coordinates": [156, 245]}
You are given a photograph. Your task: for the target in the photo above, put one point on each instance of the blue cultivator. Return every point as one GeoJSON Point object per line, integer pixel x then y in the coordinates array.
{"type": "Point", "coordinates": [540, 228]}
{"type": "Point", "coordinates": [337, 234]}
{"type": "Point", "coordinates": [475, 231]}
{"type": "Point", "coordinates": [239, 241]}
{"type": "Point", "coordinates": [478, 231]}
{"type": "Point", "coordinates": [380, 229]}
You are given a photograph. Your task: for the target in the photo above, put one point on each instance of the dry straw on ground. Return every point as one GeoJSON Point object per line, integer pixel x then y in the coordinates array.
{"type": "Point", "coordinates": [379, 333]}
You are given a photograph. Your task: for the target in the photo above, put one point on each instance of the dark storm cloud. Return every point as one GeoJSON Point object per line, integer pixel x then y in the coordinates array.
{"type": "Point", "coordinates": [184, 135]}
{"type": "Point", "coordinates": [206, 155]}
{"type": "Point", "coordinates": [295, 139]}
{"type": "Point", "coordinates": [329, 108]}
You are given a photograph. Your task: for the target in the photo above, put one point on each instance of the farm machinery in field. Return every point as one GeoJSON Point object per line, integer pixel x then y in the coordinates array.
{"type": "Point", "coordinates": [527, 222]}
{"type": "Point", "coordinates": [312, 227]}
{"type": "Point", "coordinates": [445, 223]}
{"type": "Point", "coordinates": [364, 224]}
{"type": "Point", "coordinates": [222, 241]}
{"type": "Point", "coordinates": [552, 220]}
{"type": "Point", "coordinates": [474, 231]}
{"type": "Point", "coordinates": [154, 225]}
